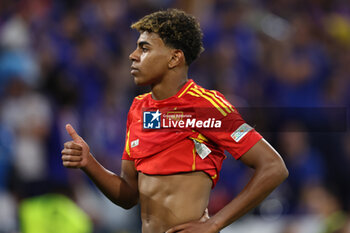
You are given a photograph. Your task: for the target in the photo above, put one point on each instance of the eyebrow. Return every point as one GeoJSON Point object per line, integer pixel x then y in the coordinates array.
{"type": "Point", "coordinates": [142, 43]}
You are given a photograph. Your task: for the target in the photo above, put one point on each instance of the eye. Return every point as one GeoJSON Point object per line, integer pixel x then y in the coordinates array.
{"type": "Point", "coordinates": [144, 49]}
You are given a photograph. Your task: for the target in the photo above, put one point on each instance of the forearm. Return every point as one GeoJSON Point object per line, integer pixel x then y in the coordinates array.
{"type": "Point", "coordinates": [112, 186]}
{"type": "Point", "coordinates": [263, 182]}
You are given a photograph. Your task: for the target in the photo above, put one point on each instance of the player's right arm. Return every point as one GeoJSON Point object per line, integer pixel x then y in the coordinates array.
{"type": "Point", "coordinates": [121, 190]}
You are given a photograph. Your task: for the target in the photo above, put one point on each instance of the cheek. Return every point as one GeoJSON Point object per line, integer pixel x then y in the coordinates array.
{"type": "Point", "coordinates": [155, 63]}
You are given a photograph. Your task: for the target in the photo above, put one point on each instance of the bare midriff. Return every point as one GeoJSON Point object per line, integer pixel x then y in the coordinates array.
{"type": "Point", "coordinates": [170, 200]}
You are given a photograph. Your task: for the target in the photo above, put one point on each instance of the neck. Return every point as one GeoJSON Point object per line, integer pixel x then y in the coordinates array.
{"type": "Point", "coordinates": [168, 86]}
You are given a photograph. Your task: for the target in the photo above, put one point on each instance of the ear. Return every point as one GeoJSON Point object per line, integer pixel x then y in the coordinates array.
{"type": "Point", "coordinates": [178, 57]}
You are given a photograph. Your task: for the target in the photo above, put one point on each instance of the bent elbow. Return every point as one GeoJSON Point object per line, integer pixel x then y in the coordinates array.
{"type": "Point", "coordinates": [284, 173]}
{"type": "Point", "coordinates": [281, 171]}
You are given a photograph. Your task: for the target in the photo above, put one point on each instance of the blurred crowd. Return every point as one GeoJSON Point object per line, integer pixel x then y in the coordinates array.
{"type": "Point", "coordinates": [67, 62]}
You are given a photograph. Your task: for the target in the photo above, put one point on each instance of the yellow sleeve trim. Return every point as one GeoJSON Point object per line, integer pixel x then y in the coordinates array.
{"type": "Point", "coordinates": [217, 100]}
{"type": "Point", "coordinates": [194, 94]}
{"type": "Point", "coordinates": [127, 149]}
{"type": "Point", "coordinates": [223, 100]}
{"type": "Point", "coordinates": [214, 177]}
{"type": "Point", "coordinates": [210, 100]}
{"type": "Point", "coordinates": [185, 90]}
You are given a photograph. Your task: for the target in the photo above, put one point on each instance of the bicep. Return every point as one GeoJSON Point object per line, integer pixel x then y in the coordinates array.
{"type": "Point", "coordinates": [261, 154]}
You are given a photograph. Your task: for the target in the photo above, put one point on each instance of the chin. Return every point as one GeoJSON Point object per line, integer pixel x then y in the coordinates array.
{"type": "Point", "coordinates": [141, 81]}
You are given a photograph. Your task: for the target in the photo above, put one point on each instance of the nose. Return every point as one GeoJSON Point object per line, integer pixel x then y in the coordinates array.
{"type": "Point", "coordinates": [133, 56]}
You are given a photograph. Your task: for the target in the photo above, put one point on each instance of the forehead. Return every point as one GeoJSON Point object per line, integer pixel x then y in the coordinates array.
{"type": "Point", "coordinates": [151, 38]}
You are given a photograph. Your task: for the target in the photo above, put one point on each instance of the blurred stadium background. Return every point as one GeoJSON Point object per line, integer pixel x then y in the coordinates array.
{"type": "Point", "coordinates": [67, 61]}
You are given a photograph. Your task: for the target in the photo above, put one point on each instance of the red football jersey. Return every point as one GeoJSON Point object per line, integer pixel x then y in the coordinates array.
{"type": "Point", "coordinates": [185, 133]}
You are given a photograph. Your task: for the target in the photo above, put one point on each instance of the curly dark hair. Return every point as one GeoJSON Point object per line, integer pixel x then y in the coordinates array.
{"type": "Point", "coordinates": [177, 29]}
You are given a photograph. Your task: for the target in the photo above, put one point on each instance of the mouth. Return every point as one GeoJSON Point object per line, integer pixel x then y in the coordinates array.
{"type": "Point", "coordinates": [133, 70]}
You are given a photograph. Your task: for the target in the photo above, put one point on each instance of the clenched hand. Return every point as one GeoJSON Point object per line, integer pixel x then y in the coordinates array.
{"type": "Point", "coordinates": [76, 153]}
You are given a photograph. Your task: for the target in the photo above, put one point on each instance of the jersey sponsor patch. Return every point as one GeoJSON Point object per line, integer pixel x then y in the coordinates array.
{"type": "Point", "coordinates": [241, 132]}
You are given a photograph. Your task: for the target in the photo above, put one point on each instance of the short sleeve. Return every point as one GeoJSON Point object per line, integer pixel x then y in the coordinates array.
{"type": "Point", "coordinates": [126, 152]}
{"type": "Point", "coordinates": [234, 135]}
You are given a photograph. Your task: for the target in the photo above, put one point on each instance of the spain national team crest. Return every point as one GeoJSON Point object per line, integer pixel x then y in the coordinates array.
{"type": "Point", "coordinates": [151, 119]}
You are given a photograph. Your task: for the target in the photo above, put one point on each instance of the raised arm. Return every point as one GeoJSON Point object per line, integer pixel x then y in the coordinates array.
{"type": "Point", "coordinates": [121, 190]}
{"type": "Point", "coordinates": [270, 171]}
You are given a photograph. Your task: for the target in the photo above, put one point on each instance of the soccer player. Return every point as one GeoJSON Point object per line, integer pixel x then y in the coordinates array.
{"type": "Point", "coordinates": [176, 137]}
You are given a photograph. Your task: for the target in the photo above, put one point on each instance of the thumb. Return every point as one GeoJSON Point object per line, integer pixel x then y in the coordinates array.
{"type": "Point", "coordinates": [73, 133]}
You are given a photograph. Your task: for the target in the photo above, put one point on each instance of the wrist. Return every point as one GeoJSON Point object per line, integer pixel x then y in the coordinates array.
{"type": "Point", "coordinates": [214, 224]}
{"type": "Point", "coordinates": [90, 159]}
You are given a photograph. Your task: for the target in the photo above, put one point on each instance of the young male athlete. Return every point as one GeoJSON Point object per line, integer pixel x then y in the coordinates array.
{"type": "Point", "coordinates": [176, 137]}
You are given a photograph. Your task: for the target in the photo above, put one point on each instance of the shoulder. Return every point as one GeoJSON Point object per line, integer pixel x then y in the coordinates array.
{"type": "Point", "coordinates": [139, 100]}
{"type": "Point", "coordinates": [197, 91]}
{"type": "Point", "coordinates": [204, 98]}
